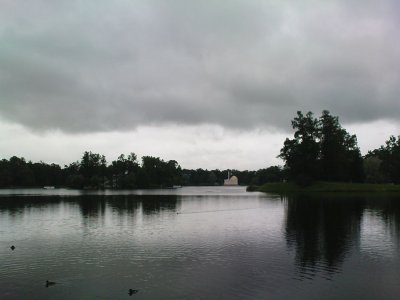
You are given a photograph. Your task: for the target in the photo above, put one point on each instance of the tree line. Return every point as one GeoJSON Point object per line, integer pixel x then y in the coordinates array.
{"type": "Point", "coordinates": [201, 177]}
{"type": "Point", "coordinates": [93, 172]}
{"type": "Point", "coordinates": [322, 150]}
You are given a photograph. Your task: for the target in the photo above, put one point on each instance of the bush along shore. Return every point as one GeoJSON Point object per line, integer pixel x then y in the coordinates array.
{"type": "Point", "coordinates": [328, 187]}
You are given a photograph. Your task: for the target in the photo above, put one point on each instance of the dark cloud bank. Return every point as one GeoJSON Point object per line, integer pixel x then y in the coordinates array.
{"type": "Point", "coordinates": [83, 66]}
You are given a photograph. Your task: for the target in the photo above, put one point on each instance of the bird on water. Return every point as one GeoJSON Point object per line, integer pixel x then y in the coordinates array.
{"type": "Point", "coordinates": [132, 291]}
{"type": "Point", "coordinates": [12, 247]}
{"type": "Point", "coordinates": [50, 283]}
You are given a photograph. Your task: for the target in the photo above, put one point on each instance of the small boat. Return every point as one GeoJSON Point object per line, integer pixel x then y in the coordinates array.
{"type": "Point", "coordinates": [49, 187]}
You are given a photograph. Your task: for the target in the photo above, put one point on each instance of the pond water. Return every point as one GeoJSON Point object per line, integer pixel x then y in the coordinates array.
{"type": "Point", "coordinates": [198, 243]}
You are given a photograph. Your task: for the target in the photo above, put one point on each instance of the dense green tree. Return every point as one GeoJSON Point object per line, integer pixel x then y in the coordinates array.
{"type": "Point", "coordinates": [301, 154]}
{"type": "Point", "coordinates": [124, 171]}
{"type": "Point", "coordinates": [155, 172]}
{"type": "Point", "coordinates": [372, 170]}
{"type": "Point", "coordinates": [389, 155]}
{"type": "Point", "coordinates": [173, 173]}
{"type": "Point", "coordinates": [270, 174]}
{"type": "Point", "coordinates": [46, 174]}
{"type": "Point", "coordinates": [321, 150]}
{"type": "Point", "coordinates": [16, 172]}
{"type": "Point", "coordinates": [93, 168]}
{"type": "Point", "coordinates": [340, 156]}
{"type": "Point", "coordinates": [203, 177]}
{"type": "Point", "coordinates": [72, 176]}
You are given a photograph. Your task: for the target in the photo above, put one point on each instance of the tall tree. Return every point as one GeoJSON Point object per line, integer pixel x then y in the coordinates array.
{"type": "Point", "coordinates": [124, 171]}
{"type": "Point", "coordinates": [93, 168]}
{"type": "Point", "coordinates": [16, 172]}
{"type": "Point", "coordinates": [340, 156]}
{"type": "Point", "coordinates": [301, 153]}
{"type": "Point", "coordinates": [321, 150]}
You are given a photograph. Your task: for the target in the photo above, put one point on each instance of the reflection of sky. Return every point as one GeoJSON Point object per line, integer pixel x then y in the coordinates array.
{"type": "Point", "coordinates": [218, 243]}
{"type": "Point", "coordinates": [209, 246]}
{"type": "Point", "coordinates": [186, 191]}
{"type": "Point", "coordinates": [376, 241]}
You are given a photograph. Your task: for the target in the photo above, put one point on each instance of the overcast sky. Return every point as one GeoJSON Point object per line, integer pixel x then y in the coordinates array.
{"type": "Point", "coordinates": [211, 84]}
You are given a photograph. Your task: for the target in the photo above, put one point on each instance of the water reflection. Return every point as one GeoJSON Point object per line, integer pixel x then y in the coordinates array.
{"type": "Point", "coordinates": [17, 205]}
{"type": "Point", "coordinates": [217, 246]}
{"type": "Point", "coordinates": [389, 209]}
{"type": "Point", "coordinates": [157, 204]}
{"type": "Point", "coordinates": [324, 229]}
{"type": "Point", "coordinates": [91, 206]}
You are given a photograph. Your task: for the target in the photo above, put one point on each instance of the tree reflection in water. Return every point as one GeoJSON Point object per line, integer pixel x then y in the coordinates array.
{"type": "Point", "coordinates": [92, 208]}
{"type": "Point", "coordinates": [322, 228]}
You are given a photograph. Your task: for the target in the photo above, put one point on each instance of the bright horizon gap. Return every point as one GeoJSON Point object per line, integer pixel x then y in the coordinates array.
{"type": "Point", "coordinates": [193, 147]}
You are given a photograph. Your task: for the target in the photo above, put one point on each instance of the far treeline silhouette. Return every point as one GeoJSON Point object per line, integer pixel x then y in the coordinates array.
{"type": "Point", "coordinates": [321, 150]}
{"type": "Point", "coordinates": [93, 172]}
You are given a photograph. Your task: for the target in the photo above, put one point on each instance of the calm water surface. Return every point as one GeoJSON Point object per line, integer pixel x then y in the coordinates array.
{"type": "Point", "coordinates": [198, 243]}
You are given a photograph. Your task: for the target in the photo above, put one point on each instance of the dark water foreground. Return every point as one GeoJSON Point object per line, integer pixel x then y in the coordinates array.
{"type": "Point", "coordinates": [198, 243]}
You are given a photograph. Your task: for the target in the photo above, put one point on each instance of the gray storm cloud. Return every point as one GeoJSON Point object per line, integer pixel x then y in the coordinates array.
{"type": "Point", "coordinates": [86, 66]}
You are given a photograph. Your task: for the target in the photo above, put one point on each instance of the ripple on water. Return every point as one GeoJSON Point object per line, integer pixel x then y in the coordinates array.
{"type": "Point", "coordinates": [227, 250]}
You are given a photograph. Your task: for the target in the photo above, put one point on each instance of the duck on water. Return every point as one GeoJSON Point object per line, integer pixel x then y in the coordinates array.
{"type": "Point", "coordinates": [132, 291]}
{"type": "Point", "coordinates": [50, 283]}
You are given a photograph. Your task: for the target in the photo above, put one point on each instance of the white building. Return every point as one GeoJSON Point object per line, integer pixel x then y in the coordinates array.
{"type": "Point", "coordinates": [231, 180]}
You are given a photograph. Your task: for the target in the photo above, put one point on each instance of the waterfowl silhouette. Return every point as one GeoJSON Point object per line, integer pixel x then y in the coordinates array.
{"type": "Point", "coordinates": [50, 283]}
{"type": "Point", "coordinates": [131, 292]}
{"type": "Point", "coordinates": [12, 247]}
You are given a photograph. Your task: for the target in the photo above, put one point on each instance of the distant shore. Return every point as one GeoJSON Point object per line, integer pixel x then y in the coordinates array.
{"type": "Point", "coordinates": [331, 187]}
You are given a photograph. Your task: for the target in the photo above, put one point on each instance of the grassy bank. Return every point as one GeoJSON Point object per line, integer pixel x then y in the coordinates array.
{"type": "Point", "coordinates": [336, 187]}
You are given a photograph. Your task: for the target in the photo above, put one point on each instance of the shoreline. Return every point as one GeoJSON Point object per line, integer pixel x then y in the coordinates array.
{"type": "Point", "coordinates": [331, 187]}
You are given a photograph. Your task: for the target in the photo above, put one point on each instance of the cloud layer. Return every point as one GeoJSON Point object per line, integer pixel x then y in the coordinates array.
{"type": "Point", "coordinates": [95, 66]}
